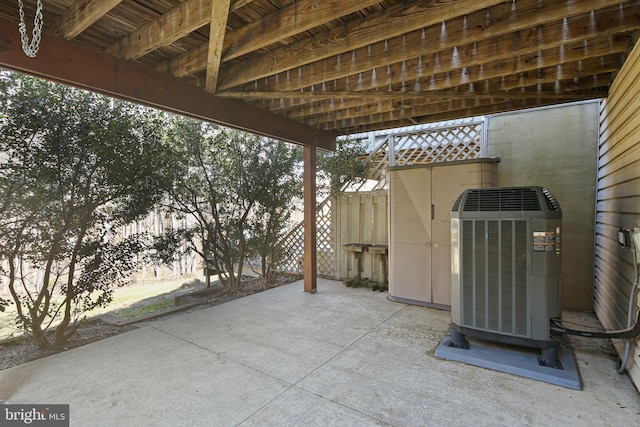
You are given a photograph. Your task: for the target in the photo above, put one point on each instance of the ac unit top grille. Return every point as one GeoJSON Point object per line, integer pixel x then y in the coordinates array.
{"type": "Point", "coordinates": [506, 199]}
{"type": "Point", "coordinates": [552, 203]}
{"type": "Point", "coordinates": [456, 204]}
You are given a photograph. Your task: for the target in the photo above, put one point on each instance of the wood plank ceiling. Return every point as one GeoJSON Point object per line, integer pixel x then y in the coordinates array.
{"type": "Point", "coordinates": [347, 66]}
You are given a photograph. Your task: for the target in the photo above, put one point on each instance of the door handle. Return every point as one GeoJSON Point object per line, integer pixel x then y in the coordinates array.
{"type": "Point", "coordinates": [433, 212]}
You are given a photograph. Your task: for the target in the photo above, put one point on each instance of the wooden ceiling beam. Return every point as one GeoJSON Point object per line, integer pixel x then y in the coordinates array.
{"type": "Point", "coordinates": [185, 63]}
{"type": "Point", "coordinates": [173, 25]}
{"type": "Point", "coordinates": [392, 22]}
{"type": "Point", "coordinates": [286, 22]}
{"type": "Point", "coordinates": [525, 59]}
{"type": "Point", "coordinates": [450, 104]}
{"type": "Point", "coordinates": [436, 107]}
{"type": "Point", "coordinates": [237, 4]}
{"type": "Point", "coordinates": [512, 49]}
{"type": "Point", "coordinates": [377, 47]}
{"type": "Point", "coordinates": [530, 29]}
{"type": "Point", "coordinates": [518, 64]}
{"type": "Point", "coordinates": [292, 19]}
{"type": "Point", "coordinates": [75, 64]}
{"type": "Point", "coordinates": [81, 15]}
{"type": "Point", "coordinates": [467, 111]}
{"type": "Point", "coordinates": [549, 89]}
{"type": "Point", "coordinates": [374, 96]}
{"type": "Point", "coordinates": [219, 14]}
{"type": "Point", "coordinates": [499, 83]}
{"type": "Point", "coordinates": [558, 87]}
{"type": "Point", "coordinates": [493, 108]}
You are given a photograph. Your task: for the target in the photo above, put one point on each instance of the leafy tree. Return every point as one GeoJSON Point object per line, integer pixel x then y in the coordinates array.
{"type": "Point", "coordinates": [74, 166]}
{"type": "Point", "coordinates": [239, 188]}
{"type": "Point", "coordinates": [342, 167]}
{"type": "Point", "coordinates": [275, 204]}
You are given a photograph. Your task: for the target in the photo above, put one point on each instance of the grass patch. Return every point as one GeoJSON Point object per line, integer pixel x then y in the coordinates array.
{"type": "Point", "coordinates": [125, 299]}
{"type": "Point", "coordinates": [140, 311]}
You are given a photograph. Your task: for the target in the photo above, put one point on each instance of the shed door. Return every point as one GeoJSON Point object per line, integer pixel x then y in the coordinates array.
{"type": "Point", "coordinates": [410, 236]}
{"type": "Point", "coordinates": [447, 184]}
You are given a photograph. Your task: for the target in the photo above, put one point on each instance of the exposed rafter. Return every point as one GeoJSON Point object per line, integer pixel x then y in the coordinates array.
{"type": "Point", "coordinates": [407, 95]}
{"type": "Point", "coordinates": [219, 14]}
{"type": "Point", "coordinates": [168, 28]}
{"type": "Point", "coordinates": [288, 21]}
{"type": "Point", "coordinates": [350, 125]}
{"type": "Point", "coordinates": [549, 75]}
{"type": "Point", "coordinates": [393, 22]}
{"type": "Point", "coordinates": [82, 14]}
{"type": "Point", "coordinates": [293, 19]}
{"type": "Point", "coordinates": [473, 38]}
{"type": "Point", "coordinates": [578, 58]}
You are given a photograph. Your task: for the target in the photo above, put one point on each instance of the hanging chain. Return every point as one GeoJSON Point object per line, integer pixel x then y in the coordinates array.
{"type": "Point", "coordinates": [31, 49]}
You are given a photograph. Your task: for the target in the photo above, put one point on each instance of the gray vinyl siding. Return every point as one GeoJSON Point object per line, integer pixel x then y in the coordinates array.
{"type": "Point", "coordinates": [618, 200]}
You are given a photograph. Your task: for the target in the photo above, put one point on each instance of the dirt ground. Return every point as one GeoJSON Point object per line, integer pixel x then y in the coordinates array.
{"type": "Point", "coordinates": [22, 350]}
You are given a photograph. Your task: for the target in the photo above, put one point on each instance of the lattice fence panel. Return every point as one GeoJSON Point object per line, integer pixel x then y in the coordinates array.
{"type": "Point", "coordinates": [293, 245]}
{"type": "Point", "coordinates": [379, 160]}
{"type": "Point", "coordinates": [325, 251]}
{"type": "Point", "coordinates": [439, 145]}
{"type": "Point", "coordinates": [293, 251]}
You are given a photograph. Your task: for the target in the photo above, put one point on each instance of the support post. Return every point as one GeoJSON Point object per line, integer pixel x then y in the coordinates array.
{"type": "Point", "coordinates": [310, 218]}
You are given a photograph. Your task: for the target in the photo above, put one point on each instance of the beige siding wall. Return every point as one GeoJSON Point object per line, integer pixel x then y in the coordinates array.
{"type": "Point", "coordinates": [556, 148]}
{"type": "Point", "coordinates": [618, 200]}
{"type": "Point", "coordinates": [359, 218]}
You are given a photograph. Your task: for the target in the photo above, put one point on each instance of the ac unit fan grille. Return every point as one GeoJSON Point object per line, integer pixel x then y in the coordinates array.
{"type": "Point", "coordinates": [502, 199]}
{"type": "Point", "coordinates": [494, 276]}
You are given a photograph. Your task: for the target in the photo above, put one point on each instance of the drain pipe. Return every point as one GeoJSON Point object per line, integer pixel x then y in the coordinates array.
{"type": "Point", "coordinates": [635, 244]}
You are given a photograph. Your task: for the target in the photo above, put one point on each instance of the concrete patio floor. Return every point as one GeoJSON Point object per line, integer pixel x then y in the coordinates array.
{"type": "Point", "coordinates": [342, 356]}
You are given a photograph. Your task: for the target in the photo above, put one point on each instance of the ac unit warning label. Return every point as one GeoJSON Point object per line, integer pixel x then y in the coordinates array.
{"type": "Point", "coordinates": [544, 241]}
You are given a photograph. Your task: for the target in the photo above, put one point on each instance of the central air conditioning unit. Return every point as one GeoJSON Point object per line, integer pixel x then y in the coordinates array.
{"type": "Point", "coordinates": [505, 278]}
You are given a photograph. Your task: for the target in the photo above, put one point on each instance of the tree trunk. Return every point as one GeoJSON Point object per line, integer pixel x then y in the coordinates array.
{"type": "Point", "coordinates": [62, 330]}
{"type": "Point", "coordinates": [241, 254]}
{"type": "Point", "coordinates": [263, 270]}
{"type": "Point", "coordinates": [43, 301]}
{"type": "Point", "coordinates": [39, 336]}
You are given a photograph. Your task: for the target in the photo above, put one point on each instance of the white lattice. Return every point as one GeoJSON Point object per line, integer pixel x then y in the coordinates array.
{"type": "Point", "coordinates": [438, 145]}
{"type": "Point", "coordinates": [440, 142]}
{"type": "Point", "coordinates": [293, 245]}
